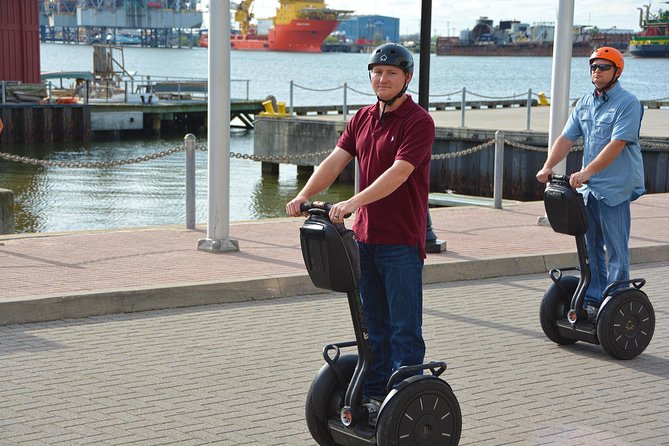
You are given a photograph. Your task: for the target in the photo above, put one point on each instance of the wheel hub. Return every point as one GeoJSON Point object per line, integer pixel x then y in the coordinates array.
{"type": "Point", "coordinates": [426, 430]}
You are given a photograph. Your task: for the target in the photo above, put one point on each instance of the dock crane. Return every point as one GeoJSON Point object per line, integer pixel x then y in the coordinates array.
{"type": "Point", "coordinates": [243, 15]}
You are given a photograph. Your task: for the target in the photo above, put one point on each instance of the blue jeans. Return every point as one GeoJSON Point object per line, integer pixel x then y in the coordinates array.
{"type": "Point", "coordinates": [607, 226]}
{"type": "Point", "coordinates": [391, 287]}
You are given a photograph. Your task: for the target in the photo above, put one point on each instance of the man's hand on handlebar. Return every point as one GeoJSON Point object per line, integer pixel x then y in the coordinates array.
{"type": "Point", "coordinates": [293, 206]}
{"type": "Point", "coordinates": [543, 176]}
{"type": "Point", "coordinates": [340, 211]}
{"type": "Point", "coordinates": [578, 179]}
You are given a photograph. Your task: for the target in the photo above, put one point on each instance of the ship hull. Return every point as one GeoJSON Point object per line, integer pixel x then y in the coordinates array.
{"type": "Point", "coordinates": [655, 49]}
{"type": "Point", "coordinates": [301, 36]}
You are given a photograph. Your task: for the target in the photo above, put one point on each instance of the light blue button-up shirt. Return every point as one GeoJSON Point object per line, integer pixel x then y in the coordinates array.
{"type": "Point", "coordinates": [600, 122]}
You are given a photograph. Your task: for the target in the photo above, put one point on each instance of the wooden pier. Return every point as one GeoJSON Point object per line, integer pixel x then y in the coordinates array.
{"type": "Point", "coordinates": [467, 174]}
{"type": "Point", "coordinates": [37, 122]}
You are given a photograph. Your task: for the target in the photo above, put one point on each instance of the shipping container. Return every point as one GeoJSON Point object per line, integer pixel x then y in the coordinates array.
{"type": "Point", "coordinates": [19, 41]}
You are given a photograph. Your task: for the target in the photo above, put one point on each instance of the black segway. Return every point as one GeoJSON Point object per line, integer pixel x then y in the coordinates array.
{"type": "Point", "coordinates": [625, 321]}
{"type": "Point", "coordinates": [417, 410]}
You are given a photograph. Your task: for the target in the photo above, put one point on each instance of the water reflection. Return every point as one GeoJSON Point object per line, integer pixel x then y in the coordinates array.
{"type": "Point", "coordinates": [54, 198]}
{"type": "Point", "coordinates": [272, 192]}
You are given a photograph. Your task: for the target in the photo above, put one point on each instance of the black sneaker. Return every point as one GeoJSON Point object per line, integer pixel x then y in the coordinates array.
{"type": "Point", "coordinates": [592, 312]}
{"type": "Point", "coordinates": [372, 407]}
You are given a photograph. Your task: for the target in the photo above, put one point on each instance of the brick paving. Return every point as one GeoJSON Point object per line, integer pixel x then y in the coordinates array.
{"type": "Point", "coordinates": [238, 373]}
{"type": "Point", "coordinates": [96, 369]}
{"type": "Point", "coordinates": [54, 276]}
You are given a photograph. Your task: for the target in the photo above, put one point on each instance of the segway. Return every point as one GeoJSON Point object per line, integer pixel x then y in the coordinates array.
{"type": "Point", "coordinates": [418, 409]}
{"type": "Point", "coordinates": [625, 321]}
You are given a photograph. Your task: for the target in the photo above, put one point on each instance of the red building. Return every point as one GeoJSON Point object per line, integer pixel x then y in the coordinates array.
{"type": "Point", "coordinates": [19, 41]}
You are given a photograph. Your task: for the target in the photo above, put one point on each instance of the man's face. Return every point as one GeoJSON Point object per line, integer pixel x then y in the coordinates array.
{"type": "Point", "coordinates": [388, 81]}
{"type": "Point", "coordinates": [600, 77]}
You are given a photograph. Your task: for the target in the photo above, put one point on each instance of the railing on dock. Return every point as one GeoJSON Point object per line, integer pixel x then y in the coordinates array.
{"type": "Point", "coordinates": [525, 99]}
{"type": "Point", "coordinates": [461, 99]}
{"type": "Point", "coordinates": [190, 146]}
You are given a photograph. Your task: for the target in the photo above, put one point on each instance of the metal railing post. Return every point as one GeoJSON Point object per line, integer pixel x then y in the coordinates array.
{"type": "Point", "coordinates": [462, 106]}
{"type": "Point", "coordinates": [345, 106]}
{"type": "Point", "coordinates": [529, 108]}
{"type": "Point", "coordinates": [247, 89]}
{"type": "Point", "coordinates": [499, 169]}
{"type": "Point", "coordinates": [290, 109]}
{"type": "Point", "coordinates": [189, 141]}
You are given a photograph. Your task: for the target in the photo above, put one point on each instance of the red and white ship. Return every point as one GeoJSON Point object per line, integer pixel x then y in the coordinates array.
{"type": "Point", "coordinates": [299, 26]}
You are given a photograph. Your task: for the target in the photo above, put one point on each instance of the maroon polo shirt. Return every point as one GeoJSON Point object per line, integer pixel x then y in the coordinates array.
{"type": "Point", "coordinates": [404, 134]}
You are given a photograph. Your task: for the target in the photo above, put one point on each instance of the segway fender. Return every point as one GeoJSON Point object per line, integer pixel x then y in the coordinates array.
{"type": "Point", "coordinates": [326, 380]}
{"type": "Point", "coordinates": [402, 385]}
{"type": "Point", "coordinates": [611, 296]}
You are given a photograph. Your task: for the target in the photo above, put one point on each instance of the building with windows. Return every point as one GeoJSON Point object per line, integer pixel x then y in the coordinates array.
{"type": "Point", "coordinates": [370, 29]}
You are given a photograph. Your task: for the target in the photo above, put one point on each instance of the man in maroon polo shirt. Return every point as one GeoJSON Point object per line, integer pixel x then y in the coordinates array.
{"type": "Point", "coordinates": [392, 140]}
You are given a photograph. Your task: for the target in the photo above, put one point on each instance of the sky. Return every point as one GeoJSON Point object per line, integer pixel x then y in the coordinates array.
{"type": "Point", "coordinates": [449, 17]}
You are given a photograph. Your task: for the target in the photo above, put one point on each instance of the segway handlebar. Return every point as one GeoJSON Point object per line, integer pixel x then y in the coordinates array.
{"type": "Point", "coordinates": [561, 178]}
{"type": "Point", "coordinates": [318, 208]}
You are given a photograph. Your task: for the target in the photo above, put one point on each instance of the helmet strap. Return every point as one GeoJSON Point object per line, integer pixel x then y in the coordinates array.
{"type": "Point", "coordinates": [602, 91]}
{"type": "Point", "coordinates": [392, 100]}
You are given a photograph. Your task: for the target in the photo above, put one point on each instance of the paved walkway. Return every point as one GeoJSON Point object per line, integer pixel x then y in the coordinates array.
{"type": "Point", "coordinates": [78, 274]}
{"type": "Point", "coordinates": [653, 124]}
{"type": "Point", "coordinates": [237, 372]}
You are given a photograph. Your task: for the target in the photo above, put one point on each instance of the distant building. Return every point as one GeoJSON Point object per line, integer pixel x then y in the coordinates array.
{"type": "Point", "coordinates": [370, 28]}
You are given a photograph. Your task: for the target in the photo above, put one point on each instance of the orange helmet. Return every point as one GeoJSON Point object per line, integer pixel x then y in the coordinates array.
{"type": "Point", "coordinates": [610, 54]}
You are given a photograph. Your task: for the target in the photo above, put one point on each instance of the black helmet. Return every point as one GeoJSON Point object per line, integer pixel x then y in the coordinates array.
{"type": "Point", "coordinates": [392, 54]}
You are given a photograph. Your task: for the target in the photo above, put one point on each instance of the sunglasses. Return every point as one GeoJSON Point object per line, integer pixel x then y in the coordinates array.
{"type": "Point", "coordinates": [600, 66]}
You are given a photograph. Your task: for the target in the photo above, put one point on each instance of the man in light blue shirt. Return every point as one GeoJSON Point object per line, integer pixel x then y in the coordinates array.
{"type": "Point", "coordinates": [611, 176]}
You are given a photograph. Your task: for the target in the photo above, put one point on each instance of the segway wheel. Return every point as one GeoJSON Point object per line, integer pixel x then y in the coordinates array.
{"type": "Point", "coordinates": [625, 325]}
{"type": "Point", "coordinates": [425, 412]}
{"type": "Point", "coordinates": [555, 306]}
{"type": "Point", "coordinates": [326, 397]}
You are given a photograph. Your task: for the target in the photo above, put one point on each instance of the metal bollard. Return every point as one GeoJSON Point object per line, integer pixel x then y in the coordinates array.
{"type": "Point", "coordinates": [498, 185]}
{"type": "Point", "coordinates": [189, 141]}
{"type": "Point", "coordinates": [529, 108]}
{"type": "Point", "coordinates": [462, 107]}
{"type": "Point", "coordinates": [6, 211]}
{"type": "Point", "coordinates": [345, 106]}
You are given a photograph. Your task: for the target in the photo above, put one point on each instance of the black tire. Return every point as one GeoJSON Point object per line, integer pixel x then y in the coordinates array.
{"type": "Point", "coordinates": [555, 305]}
{"type": "Point", "coordinates": [423, 413]}
{"type": "Point", "coordinates": [325, 390]}
{"type": "Point", "coordinates": [626, 324]}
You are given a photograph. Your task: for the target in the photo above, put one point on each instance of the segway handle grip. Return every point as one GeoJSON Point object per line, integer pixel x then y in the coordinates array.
{"type": "Point", "coordinates": [319, 207]}
{"type": "Point", "coordinates": [323, 205]}
{"type": "Point", "coordinates": [558, 177]}
{"type": "Point", "coordinates": [561, 178]}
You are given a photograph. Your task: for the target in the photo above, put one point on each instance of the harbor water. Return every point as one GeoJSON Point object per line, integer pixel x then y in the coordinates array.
{"type": "Point", "coordinates": [52, 198]}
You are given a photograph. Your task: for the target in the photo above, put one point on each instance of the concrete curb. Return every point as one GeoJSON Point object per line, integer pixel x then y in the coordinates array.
{"type": "Point", "coordinates": [45, 308]}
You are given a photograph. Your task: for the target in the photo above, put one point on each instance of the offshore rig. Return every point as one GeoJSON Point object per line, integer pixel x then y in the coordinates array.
{"type": "Point", "coordinates": [157, 23]}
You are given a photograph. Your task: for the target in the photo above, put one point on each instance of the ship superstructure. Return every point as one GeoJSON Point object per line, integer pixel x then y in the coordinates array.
{"type": "Point", "coordinates": [653, 40]}
{"type": "Point", "coordinates": [298, 26]}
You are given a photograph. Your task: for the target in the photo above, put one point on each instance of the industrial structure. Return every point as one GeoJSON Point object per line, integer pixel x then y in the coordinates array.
{"type": "Point", "coordinates": [164, 23]}
{"type": "Point", "coordinates": [370, 29]}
